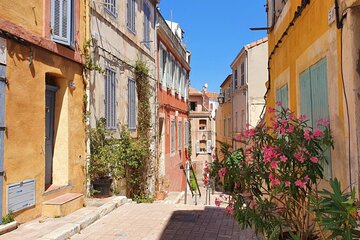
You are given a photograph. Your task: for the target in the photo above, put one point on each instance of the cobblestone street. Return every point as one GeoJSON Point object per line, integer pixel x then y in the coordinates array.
{"type": "Point", "coordinates": [165, 221]}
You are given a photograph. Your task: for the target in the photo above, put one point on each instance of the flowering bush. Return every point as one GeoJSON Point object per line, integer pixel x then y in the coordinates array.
{"type": "Point", "coordinates": [275, 174]}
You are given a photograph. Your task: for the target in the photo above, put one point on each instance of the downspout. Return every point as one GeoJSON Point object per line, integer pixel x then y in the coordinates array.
{"type": "Point", "coordinates": [157, 157]}
{"type": "Point", "coordinates": [340, 25]}
{"type": "Point", "coordinates": [87, 92]}
{"type": "Point", "coordinates": [247, 87]}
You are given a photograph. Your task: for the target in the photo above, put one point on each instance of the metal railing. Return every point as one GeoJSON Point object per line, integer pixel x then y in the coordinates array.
{"type": "Point", "coordinates": [187, 170]}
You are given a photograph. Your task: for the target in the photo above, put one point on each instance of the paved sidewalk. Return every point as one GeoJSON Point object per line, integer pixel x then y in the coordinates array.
{"type": "Point", "coordinates": [165, 221]}
{"type": "Point", "coordinates": [63, 228]}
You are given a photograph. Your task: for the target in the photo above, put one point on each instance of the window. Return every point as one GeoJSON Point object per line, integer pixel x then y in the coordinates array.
{"type": "Point", "coordinates": [282, 96]}
{"type": "Point", "coordinates": [110, 7]}
{"type": "Point", "coordinates": [131, 104]}
{"type": "Point", "coordinates": [180, 136]}
{"type": "Point", "coordinates": [202, 145]}
{"type": "Point", "coordinates": [62, 21]}
{"type": "Point", "coordinates": [211, 106]}
{"type": "Point", "coordinates": [229, 127]}
{"type": "Point", "coordinates": [235, 79]}
{"type": "Point", "coordinates": [202, 125]}
{"type": "Point", "coordinates": [242, 76]}
{"type": "Point", "coordinates": [186, 134]}
{"type": "Point", "coordinates": [169, 70]}
{"type": "Point", "coordinates": [163, 59]}
{"type": "Point", "coordinates": [147, 20]}
{"type": "Point", "coordinates": [193, 106]}
{"type": "Point", "coordinates": [224, 127]}
{"type": "Point", "coordinates": [110, 98]}
{"type": "Point", "coordinates": [242, 123]}
{"type": "Point", "coordinates": [172, 137]}
{"type": "Point", "coordinates": [183, 81]}
{"type": "Point", "coordinates": [236, 121]}
{"type": "Point", "coordinates": [227, 95]}
{"type": "Point", "coordinates": [314, 99]}
{"type": "Point", "coordinates": [131, 15]}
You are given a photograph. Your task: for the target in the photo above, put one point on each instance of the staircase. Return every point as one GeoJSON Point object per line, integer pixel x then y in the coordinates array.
{"type": "Point", "coordinates": [63, 205]}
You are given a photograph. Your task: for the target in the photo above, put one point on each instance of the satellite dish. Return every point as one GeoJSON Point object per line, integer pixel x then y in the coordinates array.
{"type": "Point", "coordinates": [205, 85]}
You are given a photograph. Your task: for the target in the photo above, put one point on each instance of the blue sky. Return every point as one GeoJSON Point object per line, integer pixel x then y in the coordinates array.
{"type": "Point", "coordinates": [215, 31]}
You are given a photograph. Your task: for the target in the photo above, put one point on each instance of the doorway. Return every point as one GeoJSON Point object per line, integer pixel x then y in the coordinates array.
{"type": "Point", "coordinates": [49, 133]}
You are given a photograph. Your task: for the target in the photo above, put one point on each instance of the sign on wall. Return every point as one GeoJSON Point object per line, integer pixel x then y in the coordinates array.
{"type": "Point", "coordinates": [20, 195]}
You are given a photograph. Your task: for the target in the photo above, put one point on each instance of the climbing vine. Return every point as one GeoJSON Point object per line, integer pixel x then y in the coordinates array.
{"type": "Point", "coordinates": [137, 168]}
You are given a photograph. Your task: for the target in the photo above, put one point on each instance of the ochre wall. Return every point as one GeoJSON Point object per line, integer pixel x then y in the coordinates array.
{"type": "Point", "coordinates": [311, 39]}
{"type": "Point", "coordinates": [25, 122]}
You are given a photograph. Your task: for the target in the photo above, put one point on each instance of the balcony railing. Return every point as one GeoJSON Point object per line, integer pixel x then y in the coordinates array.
{"type": "Point", "coordinates": [178, 45]}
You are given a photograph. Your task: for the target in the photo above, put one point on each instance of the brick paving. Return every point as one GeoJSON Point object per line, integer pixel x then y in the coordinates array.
{"type": "Point", "coordinates": [165, 221]}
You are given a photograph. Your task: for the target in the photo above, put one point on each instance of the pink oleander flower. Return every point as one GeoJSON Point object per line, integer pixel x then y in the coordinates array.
{"type": "Point", "coordinates": [275, 182]}
{"type": "Point", "coordinates": [283, 158]}
{"type": "Point", "coordinates": [214, 156]}
{"type": "Point", "coordinates": [222, 172]}
{"type": "Point", "coordinates": [306, 178]}
{"type": "Point", "coordinates": [307, 135]}
{"type": "Point", "coordinates": [281, 130]}
{"type": "Point", "coordinates": [358, 213]}
{"type": "Point", "coordinates": [274, 165]}
{"type": "Point", "coordinates": [236, 185]}
{"type": "Point", "coordinates": [279, 103]}
{"type": "Point", "coordinates": [291, 129]}
{"type": "Point", "coordinates": [212, 147]}
{"type": "Point", "coordinates": [291, 116]}
{"type": "Point", "coordinates": [299, 156]}
{"type": "Point", "coordinates": [271, 110]}
{"type": "Point", "coordinates": [275, 124]}
{"type": "Point", "coordinates": [217, 202]}
{"type": "Point", "coordinates": [302, 118]}
{"type": "Point", "coordinates": [300, 184]}
{"type": "Point", "coordinates": [246, 194]}
{"type": "Point", "coordinates": [271, 176]}
{"type": "Point", "coordinates": [314, 159]}
{"type": "Point", "coordinates": [318, 133]}
{"type": "Point", "coordinates": [252, 204]}
{"type": "Point", "coordinates": [269, 153]}
{"type": "Point", "coordinates": [229, 209]}
{"type": "Point", "coordinates": [249, 133]}
{"type": "Point", "coordinates": [284, 121]}
{"type": "Point", "coordinates": [287, 184]}
{"type": "Point", "coordinates": [323, 122]}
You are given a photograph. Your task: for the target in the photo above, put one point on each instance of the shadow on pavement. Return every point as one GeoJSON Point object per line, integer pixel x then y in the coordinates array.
{"type": "Point", "coordinates": [210, 223]}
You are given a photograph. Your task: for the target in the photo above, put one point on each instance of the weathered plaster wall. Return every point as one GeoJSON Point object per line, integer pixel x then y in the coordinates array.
{"type": "Point", "coordinates": [25, 122]}
{"type": "Point", "coordinates": [308, 41]}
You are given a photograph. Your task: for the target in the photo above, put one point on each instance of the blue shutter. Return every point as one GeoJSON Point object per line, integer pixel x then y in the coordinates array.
{"type": "Point", "coordinates": [61, 20]}
{"type": "Point", "coordinates": [146, 25]}
{"type": "Point", "coordinates": [305, 95]}
{"type": "Point", "coordinates": [161, 64]}
{"type": "Point", "coordinates": [131, 15]}
{"type": "Point", "coordinates": [131, 104]}
{"type": "Point", "coordinates": [320, 104]}
{"type": "Point", "coordinates": [110, 98]}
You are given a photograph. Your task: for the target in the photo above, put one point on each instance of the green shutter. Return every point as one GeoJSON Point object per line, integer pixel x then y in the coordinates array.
{"type": "Point", "coordinates": [282, 96]}
{"type": "Point", "coordinates": [320, 103]}
{"type": "Point", "coordinates": [305, 95]}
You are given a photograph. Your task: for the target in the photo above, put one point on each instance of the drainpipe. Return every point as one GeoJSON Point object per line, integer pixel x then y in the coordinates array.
{"type": "Point", "coordinates": [87, 91]}
{"type": "Point", "coordinates": [157, 157]}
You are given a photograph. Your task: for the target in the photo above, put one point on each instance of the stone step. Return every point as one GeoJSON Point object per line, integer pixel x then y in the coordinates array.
{"type": "Point", "coordinates": [63, 205]}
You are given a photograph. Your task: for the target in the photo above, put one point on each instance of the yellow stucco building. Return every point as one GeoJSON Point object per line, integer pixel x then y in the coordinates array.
{"type": "Point", "coordinates": [42, 133]}
{"type": "Point", "coordinates": [223, 123]}
{"type": "Point", "coordinates": [308, 70]}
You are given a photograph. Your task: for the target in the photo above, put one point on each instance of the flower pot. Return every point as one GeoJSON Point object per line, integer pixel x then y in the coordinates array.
{"type": "Point", "coordinates": [102, 187]}
{"type": "Point", "coordinates": [160, 195]}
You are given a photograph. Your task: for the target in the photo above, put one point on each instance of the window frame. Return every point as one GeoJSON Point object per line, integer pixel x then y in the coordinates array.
{"type": "Point", "coordinates": [110, 98]}
{"type": "Point", "coordinates": [132, 104]}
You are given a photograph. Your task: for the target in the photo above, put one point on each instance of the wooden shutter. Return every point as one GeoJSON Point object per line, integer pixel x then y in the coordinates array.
{"type": "Point", "coordinates": [61, 20]}
{"type": "Point", "coordinates": [131, 15]}
{"type": "Point", "coordinates": [146, 25]}
{"type": "Point", "coordinates": [208, 146]}
{"type": "Point", "coordinates": [197, 147]}
{"type": "Point", "coordinates": [320, 104]}
{"type": "Point", "coordinates": [305, 95]}
{"type": "Point", "coordinates": [180, 133]}
{"type": "Point", "coordinates": [131, 104]}
{"type": "Point", "coordinates": [110, 98]}
{"type": "Point", "coordinates": [161, 64]}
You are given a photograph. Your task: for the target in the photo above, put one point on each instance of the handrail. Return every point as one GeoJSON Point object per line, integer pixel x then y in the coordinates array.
{"type": "Point", "coordinates": [187, 180]}
{"type": "Point", "coordinates": [197, 185]}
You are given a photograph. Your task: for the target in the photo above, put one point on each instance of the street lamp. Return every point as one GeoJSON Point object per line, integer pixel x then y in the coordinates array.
{"type": "Point", "coordinates": [221, 98]}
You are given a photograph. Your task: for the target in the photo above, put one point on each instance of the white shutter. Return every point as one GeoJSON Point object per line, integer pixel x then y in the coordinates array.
{"type": "Point", "coordinates": [61, 11]}
{"type": "Point", "coordinates": [197, 147]}
{"type": "Point", "coordinates": [208, 146]}
{"type": "Point", "coordinates": [161, 65]}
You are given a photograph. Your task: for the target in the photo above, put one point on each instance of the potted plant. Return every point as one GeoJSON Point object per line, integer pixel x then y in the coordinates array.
{"type": "Point", "coordinates": [163, 185]}
{"type": "Point", "coordinates": [104, 163]}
